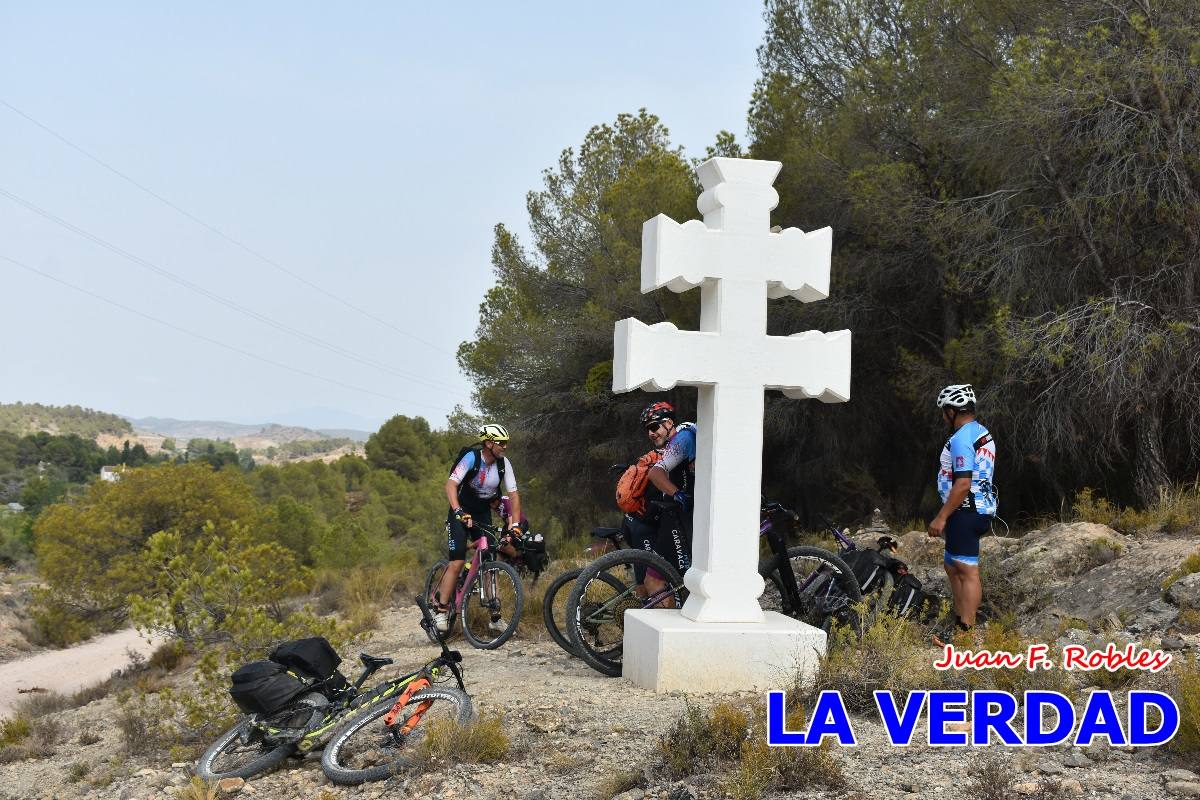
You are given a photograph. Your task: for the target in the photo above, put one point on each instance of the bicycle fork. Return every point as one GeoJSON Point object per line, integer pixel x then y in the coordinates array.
{"type": "Point", "coordinates": [389, 719]}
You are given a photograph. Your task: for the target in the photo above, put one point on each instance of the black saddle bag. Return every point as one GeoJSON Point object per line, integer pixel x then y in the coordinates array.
{"type": "Point", "coordinates": [264, 687]}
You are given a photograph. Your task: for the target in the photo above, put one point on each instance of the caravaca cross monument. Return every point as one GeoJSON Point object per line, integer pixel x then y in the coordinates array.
{"type": "Point", "coordinates": [722, 637]}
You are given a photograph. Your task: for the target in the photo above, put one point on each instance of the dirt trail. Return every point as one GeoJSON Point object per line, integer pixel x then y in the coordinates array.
{"type": "Point", "coordinates": [66, 671]}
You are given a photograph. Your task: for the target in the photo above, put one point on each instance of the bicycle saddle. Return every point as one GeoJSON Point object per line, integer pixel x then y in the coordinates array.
{"type": "Point", "coordinates": [606, 533]}
{"type": "Point", "coordinates": [373, 662]}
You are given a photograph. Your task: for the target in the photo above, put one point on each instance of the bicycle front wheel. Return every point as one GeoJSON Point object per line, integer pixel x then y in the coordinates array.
{"type": "Point", "coordinates": [364, 749]}
{"type": "Point", "coordinates": [595, 614]}
{"type": "Point", "coordinates": [492, 605]}
{"type": "Point", "coordinates": [825, 589]}
{"type": "Point", "coordinates": [240, 752]}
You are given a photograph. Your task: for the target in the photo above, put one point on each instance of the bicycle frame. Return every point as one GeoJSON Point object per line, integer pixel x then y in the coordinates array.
{"type": "Point", "coordinates": [406, 685]}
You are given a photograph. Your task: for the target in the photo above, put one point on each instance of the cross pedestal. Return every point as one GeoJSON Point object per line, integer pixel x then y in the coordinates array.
{"type": "Point", "coordinates": [738, 263]}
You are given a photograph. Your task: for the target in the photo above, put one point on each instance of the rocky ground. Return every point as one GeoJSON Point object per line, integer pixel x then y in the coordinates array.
{"type": "Point", "coordinates": [572, 730]}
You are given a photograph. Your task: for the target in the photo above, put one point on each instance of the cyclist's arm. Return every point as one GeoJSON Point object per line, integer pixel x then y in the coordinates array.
{"type": "Point", "coordinates": [958, 493]}
{"type": "Point", "coordinates": [515, 511]}
{"type": "Point", "coordinates": [662, 481]}
{"type": "Point", "coordinates": [452, 492]}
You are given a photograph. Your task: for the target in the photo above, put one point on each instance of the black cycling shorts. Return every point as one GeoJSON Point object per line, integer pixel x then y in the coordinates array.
{"type": "Point", "coordinates": [457, 534]}
{"type": "Point", "coordinates": [963, 529]}
{"type": "Point", "coordinates": [641, 534]}
{"type": "Point", "coordinates": [674, 539]}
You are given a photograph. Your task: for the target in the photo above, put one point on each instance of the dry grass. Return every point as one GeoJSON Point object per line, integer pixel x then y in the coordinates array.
{"type": "Point", "coordinates": [885, 653]}
{"type": "Point", "coordinates": [1177, 508]}
{"type": "Point", "coordinates": [22, 738]}
{"type": "Point", "coordinates": [619, 782]}
{"type": "Point", "coordinates": [77, 771]}
{"type": "Point", "coordinates": [1184, 685]}
{"type": "Point", "coordinates": [562, 762]}
{"type": "Point", "coordinates": [197, 789]}
{"type": "Point", "coordinates": [1190, 565]}
{"type": "Point", "coordinates": [732, 740]}
{"type": "Point", "coordinates": [990, 777]}
{"type": "Point", "coordinates": [447, 742]}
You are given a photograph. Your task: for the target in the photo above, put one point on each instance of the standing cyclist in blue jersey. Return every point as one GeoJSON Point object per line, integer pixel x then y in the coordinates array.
{"type": "Point", "coordinates": [482, 473]}
{"type": "Point", "coordinates": [969, 499]}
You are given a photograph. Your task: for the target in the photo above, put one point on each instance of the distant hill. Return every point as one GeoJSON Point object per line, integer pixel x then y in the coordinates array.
{"type": "Point", "coordinates": [24, 418]}
{"type": "Point", "coordinates": [213, 429]}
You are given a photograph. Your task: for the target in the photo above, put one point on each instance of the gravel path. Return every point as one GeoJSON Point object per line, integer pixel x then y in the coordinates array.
{"type": "Point", "coordinates": [67, 671]}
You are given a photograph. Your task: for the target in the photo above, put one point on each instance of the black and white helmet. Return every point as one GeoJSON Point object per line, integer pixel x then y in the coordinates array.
{"type": "Point", "coordinates": [958, 395]}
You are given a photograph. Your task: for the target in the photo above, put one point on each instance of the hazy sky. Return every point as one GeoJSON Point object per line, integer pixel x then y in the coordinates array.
{"type": "Point", "coordinates": [366, 148]}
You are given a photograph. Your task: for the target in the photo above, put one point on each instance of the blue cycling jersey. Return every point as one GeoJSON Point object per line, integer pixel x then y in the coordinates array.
{"type": "Point", "coordinates": [970, 452]}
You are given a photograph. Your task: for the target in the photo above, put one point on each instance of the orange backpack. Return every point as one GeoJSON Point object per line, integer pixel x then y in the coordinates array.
{"type": "Point", "coordinates": [631, 488]}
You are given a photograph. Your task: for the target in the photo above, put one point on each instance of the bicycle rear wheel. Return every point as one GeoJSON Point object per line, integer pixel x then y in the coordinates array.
{"type": "Point", "coordinates": [827, 588]}
{"type": "Point", "coordinates": [554, 605]}
{"type": "Point", "coordinates": [364, 749]}
{"type": "Point", "coordinates": [603, 592]}
{"type": "Point", "coordinates": [492, 605]}
{"type": "Point", "coordinates": [241, 752]}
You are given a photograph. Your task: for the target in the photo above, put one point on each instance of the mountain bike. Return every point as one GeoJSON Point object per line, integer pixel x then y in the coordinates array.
{"type": "Point", "coordinates": [806, 583]}
{"type": "Point", "coordinates": [486, 590]}
{"type": "Point", "coordinates": [258, 743]}
{"type": "Point", "coordinates": [377, 741]}
{"type": "Point", "coordinates": [554, 601]}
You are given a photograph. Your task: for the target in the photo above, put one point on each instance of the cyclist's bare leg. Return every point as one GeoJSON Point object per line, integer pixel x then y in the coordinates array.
{"type": "Point", "coordinates": [445, 589]}
{"type": "Point", "coordinates": [655, 585]}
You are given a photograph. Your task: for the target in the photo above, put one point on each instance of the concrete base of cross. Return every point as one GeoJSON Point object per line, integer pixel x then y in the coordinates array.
{"type": "Point", "coordinates": [665, 651]}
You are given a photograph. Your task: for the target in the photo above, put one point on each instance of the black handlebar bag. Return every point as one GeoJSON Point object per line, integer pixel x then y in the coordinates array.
{"type": "Point", "coordinates": [313, 656]}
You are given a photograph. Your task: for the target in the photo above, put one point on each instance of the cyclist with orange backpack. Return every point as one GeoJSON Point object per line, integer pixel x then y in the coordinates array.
{"type": "Point", "coordinates": [673, 477]}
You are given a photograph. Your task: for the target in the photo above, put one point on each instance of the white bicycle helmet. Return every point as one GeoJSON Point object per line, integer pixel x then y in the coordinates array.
{"type": "Point", "coordinates": [957, 395]}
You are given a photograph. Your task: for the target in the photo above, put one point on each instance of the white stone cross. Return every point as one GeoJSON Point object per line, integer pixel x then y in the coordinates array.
{"type": "Point", "coordinates": [738, 263]}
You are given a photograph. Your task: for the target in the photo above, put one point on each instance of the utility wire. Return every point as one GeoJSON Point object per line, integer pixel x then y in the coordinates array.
{"type": "Point", "coordinates": [204, 338]}
{"type": "Point", "coordinates": [216, 298]}
{"type": "Point", "coordinates": [221, 233]}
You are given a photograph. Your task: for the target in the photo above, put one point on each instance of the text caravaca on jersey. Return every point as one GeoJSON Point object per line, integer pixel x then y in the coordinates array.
{"type": "Point", "coordinates": [1035, 718]}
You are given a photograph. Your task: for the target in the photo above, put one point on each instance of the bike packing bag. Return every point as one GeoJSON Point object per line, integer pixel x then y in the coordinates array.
{"type": "Point", "coordinates": [908, 599]}
{"type": "Point", "coordinates": [313, 656]}
{"type": "Point", "coordinates": [533, 552]}
{"type": "Point", "coordinates": [631, 486]}
{"type": "Point", "coordinates": [264, 687]}
{"type": "Point", "coordinates": [869, 567]}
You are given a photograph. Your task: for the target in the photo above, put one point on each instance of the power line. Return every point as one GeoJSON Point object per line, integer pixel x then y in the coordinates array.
{"type": "Point", "coordinates": [210, 340]}
{"type": "Point", "coordinates": [216, 298]}
{"type": "Point", "coordinates": [221, 233]}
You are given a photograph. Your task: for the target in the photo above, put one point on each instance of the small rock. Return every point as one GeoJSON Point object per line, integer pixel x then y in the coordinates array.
{"type": "Point", "coordinates": [1098, 750]}
{"type": "Point", "coordinates": [1048, 767]}
{"type": "Point", "coordinates": [1184, 788]}
{"type": "Point", "coordinates": [537, 794]}
{"type": "Point", "coordinates": [1185, 775]}
{"type": "Point", "coordinates": [1071, 786]}
{"type": "Point", "coordinates": [231, 785]}
{"type": "Point", "coordinates": [147, 773]}
{"type": "Point", "coordinates": [179, 764]}
{"type": "Point", "coordinates": [1173, 643]}
{"type": "Point", "coordinates": [1025, 788]}
{"type": "Point", "coordinates": [1076, 759]}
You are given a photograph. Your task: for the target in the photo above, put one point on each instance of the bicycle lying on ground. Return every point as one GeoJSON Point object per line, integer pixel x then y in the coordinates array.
{"type": "Point", "coordinates": [488, 595]}
{"type": "Point", "coordinates": [806, 583]}
{"type": "Point", "coordinates": [335, 711]}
